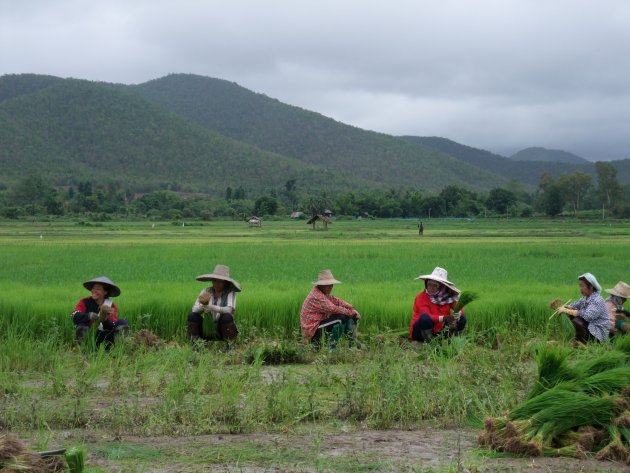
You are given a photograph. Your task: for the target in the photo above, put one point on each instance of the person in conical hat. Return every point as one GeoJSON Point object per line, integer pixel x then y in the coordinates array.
{"type": "Point", "coordinates": [618, 316]}
{"type": "Point", "coordinates": [589, 315]}
{"type": "Point", "coordinates": [100, 311]}
{"type": "Point", "coordinates": [433, 308]}
{"type": "Point", "coordinates": [323, 314]}
{"type": "Point", "coordinates": [217, 305]}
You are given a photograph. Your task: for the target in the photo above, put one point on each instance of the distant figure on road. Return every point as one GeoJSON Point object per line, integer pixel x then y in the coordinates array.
{"type": "Point", "coordinates": [420, 229]}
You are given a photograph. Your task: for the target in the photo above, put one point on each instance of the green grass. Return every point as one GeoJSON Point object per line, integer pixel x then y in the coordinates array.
{"type": "Point", "coordinates": [515, 267]}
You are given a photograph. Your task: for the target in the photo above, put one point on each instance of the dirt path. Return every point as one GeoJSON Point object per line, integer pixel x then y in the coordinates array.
{"type": "Point", "coordinates": [426, 450]}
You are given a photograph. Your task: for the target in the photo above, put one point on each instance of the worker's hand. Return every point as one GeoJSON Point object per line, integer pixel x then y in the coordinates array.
{"type": "Point", "coordinates": [457, 315]}
{"type": "Point", "coordinates": [355, 314]}
{"type": "Point", "coordinates": [561, 310]}
{"type": "Point", "coordinates": [105, 310]}
{"type": "Point", "coordinates": [92, 315]}
{"type": "Point", "coordinates": [449, 319]}
{"type": "Point", "coordinates": [204, 298]}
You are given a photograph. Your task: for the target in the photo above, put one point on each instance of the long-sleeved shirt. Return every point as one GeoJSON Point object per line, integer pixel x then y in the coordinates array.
{"type": "Point", "coordinates": [81, 313]}
{"type": "Point", "coordinates": [317, 307]}
{"type": "Point", "coordinates": [225, 304]}
{"type": "Point", "coordinates": [423, 305]}
{"type": "Point", "coordinates": [593, 309]}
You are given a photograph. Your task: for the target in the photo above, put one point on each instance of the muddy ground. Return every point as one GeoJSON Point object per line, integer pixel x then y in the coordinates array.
{"type": "Point", "coordinates": [428, 450]}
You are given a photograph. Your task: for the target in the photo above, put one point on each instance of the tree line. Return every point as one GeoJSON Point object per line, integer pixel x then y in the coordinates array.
{"type": "Point", "coordinates": [32, 195]}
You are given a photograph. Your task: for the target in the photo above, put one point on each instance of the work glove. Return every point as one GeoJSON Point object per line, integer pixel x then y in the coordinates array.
{"type": "Point", "coordinates": [567, 310]}
{"type": "Point", "coordinates": [92, 315]}
{"type": "Point", "coordinates": [457, 315]}
{"type": "Point", "coordinates": [449, 319]}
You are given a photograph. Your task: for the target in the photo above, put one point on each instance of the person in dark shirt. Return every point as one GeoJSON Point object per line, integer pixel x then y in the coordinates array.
{"type": "Point", "coordinates": [98, 310]}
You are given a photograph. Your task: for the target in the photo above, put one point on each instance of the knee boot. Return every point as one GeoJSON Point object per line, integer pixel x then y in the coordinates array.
{"type": "Point", "coordinates": [80, 332]}
{"type": "Point", "coordinates": [194, 331]}
{"type": "Point", "coordinates": [426, 334]}
{"type": "Point", "coordinates": [228, 331]}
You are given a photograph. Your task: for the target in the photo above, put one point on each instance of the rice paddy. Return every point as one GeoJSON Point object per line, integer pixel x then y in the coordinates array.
{"type": "Point", "coordinates": [52, 391]}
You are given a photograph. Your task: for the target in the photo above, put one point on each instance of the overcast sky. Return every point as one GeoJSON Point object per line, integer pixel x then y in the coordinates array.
{"type": "Point", "coordinates": [500, 75]}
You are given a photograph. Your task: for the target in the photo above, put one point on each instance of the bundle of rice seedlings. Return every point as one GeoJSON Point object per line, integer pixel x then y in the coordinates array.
{"type": "Point", "coordinates": [622, 343]}
{"type": "Point", "coordinates": [615, 450]}
{"type": "Point", "coordinates": [465, 298]}
{"type": "Point", "coordinates": [75, 457]}
{"type": "Point", "coordinates": [610, 381]}
{"type": "Point", "coordinates": [10, 447]}
{"type": "Point", "coordinates": [553, 368]}
{"type": "Point", "coordinates": [606, 361]}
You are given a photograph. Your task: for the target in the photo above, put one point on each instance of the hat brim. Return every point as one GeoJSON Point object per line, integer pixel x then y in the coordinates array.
{"type": "Point", "coordinates": [211, 276]}
{"type": "Point", "coordinates": [447, 283]}
{"type": "Point", "coordinates": [112, 289]}
{"type": "Point", "coordinates": [326, 282]}
{"type": "Point", "coordinates": [615, 293]}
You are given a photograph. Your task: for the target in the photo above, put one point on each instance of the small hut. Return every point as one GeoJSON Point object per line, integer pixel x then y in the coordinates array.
{"type": "Point", "coordinates": [313, 220]}
{"type": "Point", "coordinates": [254, 221]}
{"type": "Point", "coordinates": [296, 215]}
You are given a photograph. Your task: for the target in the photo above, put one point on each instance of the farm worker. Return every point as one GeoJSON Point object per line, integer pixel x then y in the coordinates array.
{"type": "Point", "coordinates": [433, 308]}
{"type": "Point", "coordinates": [99, 310]}
{"type": "Point", "coordinates": [614, 303]}
{"type": "Point", "coordinates": [322, 312]}
{"type": "Point", "coordinates": [589, 315]}
{"type": "Point", "coordinates": [216, 304]}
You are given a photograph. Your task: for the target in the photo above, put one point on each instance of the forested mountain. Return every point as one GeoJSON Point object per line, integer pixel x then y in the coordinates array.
{"type": "Point", "coordinates": [308, 136]}
{"type": "Point", "coordinates": [527, 172]}
{"type": "Point", "coordinates": [198, 134]}
{"type": "Point", "coordinates": [71, 130]}
{"type": "Point", "coordinates": [547, 155]}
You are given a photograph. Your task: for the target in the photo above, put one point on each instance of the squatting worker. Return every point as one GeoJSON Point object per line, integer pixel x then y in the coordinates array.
{"type": "Point", "coordinates": [216, 305]}
{"type": "Point", "coordinates": [322, 312]}
{"type": "Point", "coordinates": [99, 310]}
{"type": "Point", "coordinates": [589, 314]}
{"type": "Point", "coordinates": [617, 315]}
{"type": "Point", "coordinates": [433, 308]}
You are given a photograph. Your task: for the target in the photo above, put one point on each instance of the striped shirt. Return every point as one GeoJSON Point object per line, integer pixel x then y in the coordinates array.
{"type": "Point", "coordinates": [226, 300]}
{"type": "Point", "coordinates": [317, 307]}
{"type": "Point", "coordinates": [593, 309]}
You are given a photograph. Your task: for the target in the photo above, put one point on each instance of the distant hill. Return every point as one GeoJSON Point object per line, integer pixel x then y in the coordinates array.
{"type": "Point", "coordinates": [199, 134]}
{"type": "Point", "coordinates": [241, 114]}
{"type": "Point", "coordinates": [526, 172]}
{"type": "Point", "coordinates": [548, 155]}
{"type": "Point", "coordinates": [73, 130]}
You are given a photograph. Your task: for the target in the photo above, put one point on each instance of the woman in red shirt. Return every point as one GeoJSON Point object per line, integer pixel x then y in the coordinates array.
{"type": "Point", "coordinates": [433, 308]}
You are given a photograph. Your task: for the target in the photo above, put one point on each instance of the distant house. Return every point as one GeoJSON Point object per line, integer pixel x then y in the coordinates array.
{"type": "Point", "coordinates": [254, 221]}
{"type": "Point", "coordinates": [296, 215]}
{"type": "Point", "coordinates": [328, 213]}
{"type": "Point", "coordinates": [315, 218]}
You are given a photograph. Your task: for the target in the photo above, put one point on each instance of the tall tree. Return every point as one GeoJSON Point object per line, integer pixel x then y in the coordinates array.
{"type": "Point", "coordinates": [574, 186]}
{"type": "Point", "coordinates": [607, 186]}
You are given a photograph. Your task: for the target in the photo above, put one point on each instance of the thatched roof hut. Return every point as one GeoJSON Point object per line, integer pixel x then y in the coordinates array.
{"type": "Point", "coordinates": [313, 220]}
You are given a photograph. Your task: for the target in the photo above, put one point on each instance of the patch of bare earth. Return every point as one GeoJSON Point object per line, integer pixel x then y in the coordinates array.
{"type": "Point", "coordinates": [387, 451]}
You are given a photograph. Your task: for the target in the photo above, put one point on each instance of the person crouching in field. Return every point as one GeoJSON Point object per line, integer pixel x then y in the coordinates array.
{"type": "Point", "coordinates": [99, 310]}
{"type": "Point", "coordinates": [216, 305]}
{"type": "Point", "coordinates": [433, 308]}
{"type": "Point", "coordinates": [324, 315]}
{"type": "Point", "coordinates": [616, 313]}
{"type": "Point", "coordinates": [589, 315]}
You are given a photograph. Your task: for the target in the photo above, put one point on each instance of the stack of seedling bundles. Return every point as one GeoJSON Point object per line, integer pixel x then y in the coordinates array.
{"type": "Point", "coordinates": [575, 409]}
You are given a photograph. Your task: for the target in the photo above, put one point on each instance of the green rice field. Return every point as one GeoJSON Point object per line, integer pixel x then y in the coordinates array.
{"type": "Point", "coordinates": [268, 402]}
{"type": "Point", "coordinates": [515, 267]}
